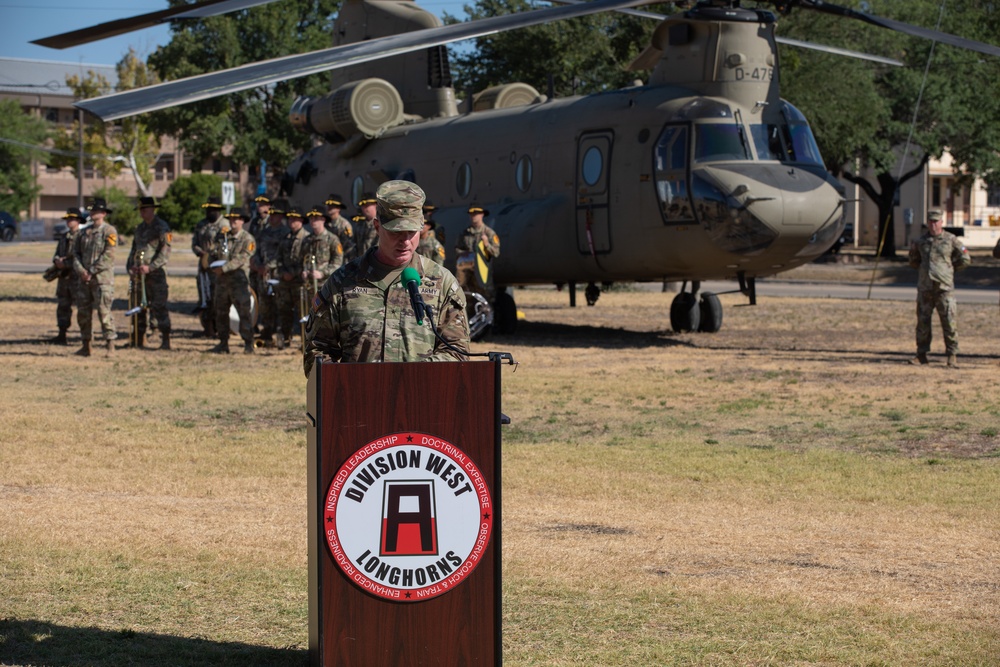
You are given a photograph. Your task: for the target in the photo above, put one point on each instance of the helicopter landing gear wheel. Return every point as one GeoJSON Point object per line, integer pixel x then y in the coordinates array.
{"type": "Point", "coordinates": [504, 313]}
{"type": "Point", "coordinates": [593, 293]}
{"type": "Point", "coordinates": [711, 313]}
{"type": "Point", "coordinates": [685, 313]}
{"type": "Point", "coordinates": [479, 314]}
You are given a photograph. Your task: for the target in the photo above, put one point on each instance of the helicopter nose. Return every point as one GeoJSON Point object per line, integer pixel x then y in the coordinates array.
{"type": "Point", "coordinates": [749, 208]}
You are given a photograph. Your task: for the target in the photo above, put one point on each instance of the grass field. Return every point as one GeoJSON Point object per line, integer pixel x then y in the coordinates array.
{"type": "Point", "coordinates": [788, 491]}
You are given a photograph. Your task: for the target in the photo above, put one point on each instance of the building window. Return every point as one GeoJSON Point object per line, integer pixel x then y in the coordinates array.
{"type": "Point", "coordinates": [993, 196]}
{"type": "Point", "coordinates": [935, 192]}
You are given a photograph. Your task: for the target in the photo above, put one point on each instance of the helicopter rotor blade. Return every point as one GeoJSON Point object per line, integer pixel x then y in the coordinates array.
{"type": "Point", "coordinates": [648, 60]}
{"type": "Point", "coordinates": [899, 26]}
{"type": "Point", "coordinates": [215, 84]}
{"type": "Point", "coordinates": [101, 31]}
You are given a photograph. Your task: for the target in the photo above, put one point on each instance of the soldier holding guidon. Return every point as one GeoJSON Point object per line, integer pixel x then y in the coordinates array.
{"type": "Point", "coordinates": [290, 268]}
{"type": "Point", "coordinates": [147, 263]}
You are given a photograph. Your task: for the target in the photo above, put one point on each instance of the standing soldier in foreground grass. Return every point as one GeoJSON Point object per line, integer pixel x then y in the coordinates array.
{"type": "Point", "coordinates": [937, 255]}
{"type": "Point", "coordinates": [147, 262]}
{"type": "Point", "coordinates": [67, 283]}
{"type": "Point", "coordinates": [94, 263]}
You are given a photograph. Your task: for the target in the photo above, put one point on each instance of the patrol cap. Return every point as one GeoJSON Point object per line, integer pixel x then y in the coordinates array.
{"type": "Point", "coordinates": [334, 201]}
{"type": "Point", "coordinates": [476, 208]}
{"type": "Point", "coordinates": [367, 198]}
{"type": "Point", "coordinates": [213, 202]}
{"type": "Point", "coordinates": [236, 213]}
{"type": "Point", "coordinates": [147, 202]}
{"type": "Point", "coordinates": [73, 213]}
{"type": "Point", "coordinates": [99, 204]}
{"type": "Point", "coordinates": [934, 215]}
{"type": "Point", "coordinates": [399, 206]}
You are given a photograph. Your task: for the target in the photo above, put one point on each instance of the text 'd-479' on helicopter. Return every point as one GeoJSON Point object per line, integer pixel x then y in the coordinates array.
{"type": "Point", "coordinates": [703, 172]}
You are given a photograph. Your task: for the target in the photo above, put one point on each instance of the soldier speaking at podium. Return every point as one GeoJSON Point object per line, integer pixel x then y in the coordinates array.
{"type": "Point", "coordinates": [364, 311]}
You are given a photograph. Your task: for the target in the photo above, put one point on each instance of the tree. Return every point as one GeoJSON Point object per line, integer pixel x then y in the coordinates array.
{"type": "Point", "coordinates": [127, 143]}
{"type": "Point", "coordinates": [254, 123]}
{"type": "Point", "coordinates": [21, 133]}
{"type": "Point", "coordinates": [181, 206]}
{"type": "Point", "coordinates": [583, 55]}
{"type": "Point", "coordinates": [864, 114]}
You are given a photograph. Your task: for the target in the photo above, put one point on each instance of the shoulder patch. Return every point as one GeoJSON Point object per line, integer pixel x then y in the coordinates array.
{"type": "Point", "coordinates": [112, 239]}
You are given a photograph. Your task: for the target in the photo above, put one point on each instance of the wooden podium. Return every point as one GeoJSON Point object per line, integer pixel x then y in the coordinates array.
{"type": "Point", "coordinates": [404, 514]}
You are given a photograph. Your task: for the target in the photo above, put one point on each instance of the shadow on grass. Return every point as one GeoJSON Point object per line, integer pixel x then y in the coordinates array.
{"type": "Point", "coordinates": [26, 642]}
{"type": "Point", "coordinates": [546, 334]}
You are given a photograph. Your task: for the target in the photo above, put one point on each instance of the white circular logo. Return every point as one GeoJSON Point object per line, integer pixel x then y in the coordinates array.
{"type": "Point", "coordinates": [408, 517]}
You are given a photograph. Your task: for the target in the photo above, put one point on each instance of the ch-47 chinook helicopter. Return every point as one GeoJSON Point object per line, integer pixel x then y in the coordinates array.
{"type": "Point", "coordinates": [702, 172]}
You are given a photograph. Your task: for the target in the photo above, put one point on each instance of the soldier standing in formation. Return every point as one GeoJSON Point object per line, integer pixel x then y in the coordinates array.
{"type": "Point", "coordinates": [321, 251]}
{"type": "Point", "coordinates": [148, 261]}
{"type": "Point", "coordinates": [340, 225]}
{"type": "Point", "coordinates": [265, 264]}
{"type": "Point", "coordinates": [290, 273]}
{"type": "Point", "coordinates": [67, 283]}
{"type": "Point", "coordinates": [478, 242]}
{"type": "Point", "coordinates": [429, 246]}
{"type": "Point", "coordinates": [205, 233]}
{"type": "Point", "coordinates": [261, 215]}
{"type": "Point", "coordinates": [94, 263]}
{"type": "Point", "coordinates": [364, 313]}
{"type": "Point", "coordinates": [233, 281]}
{"type": "Point", "coordinates": [365, 234]}
{"type": "Point", "coordinates": [937, 254]}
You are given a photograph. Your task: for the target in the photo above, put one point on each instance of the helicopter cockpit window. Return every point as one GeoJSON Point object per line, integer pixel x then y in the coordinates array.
{"type": "Point", "coordinates": [463, 180]}
{"type": "Point", "coordinates": [719, 141]}
{"type": "Point", "coordinates": [670, 161]}
{"type": "Point", "coordinates": [788, 143]}
{"type": "Point", "coordinates": [593, 165]}
{"type": "Point", "coordinates": [522, 173]}
{"type": "Point", "coordinates": [799, 137]}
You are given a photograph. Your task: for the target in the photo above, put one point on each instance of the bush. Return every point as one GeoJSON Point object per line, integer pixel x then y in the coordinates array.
{"type": "Point", "coordinates": [125, 216]}
{"type": "Point", "coordinates": [181, 205]}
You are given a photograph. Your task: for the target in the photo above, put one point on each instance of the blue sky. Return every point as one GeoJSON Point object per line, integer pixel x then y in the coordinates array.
{"type": "Point", "coordinates": [24, 20]}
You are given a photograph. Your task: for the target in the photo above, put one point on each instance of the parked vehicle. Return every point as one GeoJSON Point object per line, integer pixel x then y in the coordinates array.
{"type": "Point", "coordinates": [8, 228]}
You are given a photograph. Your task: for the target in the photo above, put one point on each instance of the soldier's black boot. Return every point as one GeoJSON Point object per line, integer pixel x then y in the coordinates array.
{"type": "Point", "coordinates": [222, 347]}
{"type": "Point", "coordinates": [920, 359]}
{"type": "Point", "coordinates": [248, 346]}
{"type": "Point", "coordinates": [60, 339]}
{"type": "Point", "coordinates": [84, 351]}
{"type": "Point", "coordinates": [140, 339]}
{"type": "Point", "coordinates": [165, 339]}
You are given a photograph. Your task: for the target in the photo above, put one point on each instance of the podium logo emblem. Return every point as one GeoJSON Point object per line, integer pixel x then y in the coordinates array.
{"type": "Point", "coordinates": [408, 517]}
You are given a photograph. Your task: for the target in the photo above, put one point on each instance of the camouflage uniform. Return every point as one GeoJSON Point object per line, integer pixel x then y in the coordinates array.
{"type": "Point", "coordinates": [326, 251]}
{"type": "Point", "coordinates": [345, 232]}
{"type": "Point", "coordinates": [290, 267]}
{"type": "Point", "coordinates": [431, 248]}
{"type": "Point", "coordinates": [152, 243]}
{"type": "Point", "coordinates": [233, 286]}
{"type": "Point", "coordinates": [365, 235]}
{"type": "Point", "coordinates": [68, 283]}
{"type": "Point", "coordinates": [471, 242]}
{"type": "Point", "coordinates": [937, 258]}
{"type": "Point", "coordinates": [267, 256]}
{"type": "Point", "coordinates": [363, 313]}
{"type": "Point", "coordinates": [95, 254]}
{"type": "Point", "coordinates": [202, 245]}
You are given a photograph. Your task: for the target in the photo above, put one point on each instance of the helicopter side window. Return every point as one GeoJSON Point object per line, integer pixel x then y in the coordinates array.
{"type": "Point", "coordinates": [593, 165]}
{"type": "Point", "coordinates": [803, 144]}
{"type": "Point", "coordinates": [522, 173]}
{"type": "Point", "coordinates": [767, 141]}
{"type": "Point", "coordinates": [463, 180]}
{"type": "Point", "coordinates": [715, 141]}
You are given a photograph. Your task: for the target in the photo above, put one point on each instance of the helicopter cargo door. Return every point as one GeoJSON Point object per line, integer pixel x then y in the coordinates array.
{"type": "Point", "coordinates": [593, 180]}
